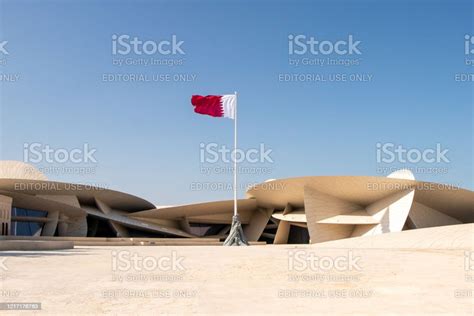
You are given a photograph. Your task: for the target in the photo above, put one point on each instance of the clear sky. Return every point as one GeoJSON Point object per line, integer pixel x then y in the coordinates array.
{"type": "Point", "coordinates": [147, 137]}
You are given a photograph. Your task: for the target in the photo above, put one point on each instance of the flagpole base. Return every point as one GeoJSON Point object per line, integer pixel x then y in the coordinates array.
{"type": "Point", "coordinates": [236, 236]}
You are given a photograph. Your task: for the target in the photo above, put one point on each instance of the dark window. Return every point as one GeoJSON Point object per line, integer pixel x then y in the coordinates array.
{"type": "Point", "coordinates": [26, 228]}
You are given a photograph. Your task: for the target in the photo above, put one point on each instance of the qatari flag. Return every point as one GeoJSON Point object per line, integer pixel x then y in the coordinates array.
{"type": "Point", "coordinates": [215, 105]}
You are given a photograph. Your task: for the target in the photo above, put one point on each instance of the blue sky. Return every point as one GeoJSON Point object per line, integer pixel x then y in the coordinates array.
{"type": "Point", "coordinates": [148, 138]}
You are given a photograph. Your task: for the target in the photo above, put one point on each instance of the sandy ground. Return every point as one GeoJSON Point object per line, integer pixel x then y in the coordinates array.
{"type": "Point", "coordinates": [256, 280]}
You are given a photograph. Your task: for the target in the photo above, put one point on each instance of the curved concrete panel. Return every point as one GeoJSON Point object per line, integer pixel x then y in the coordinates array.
{"type": "Point", "coordinates": [298, 216]}
{"type": "Point", "coordinates": [328, 207]}
{"type": "Point", "coordinates": [423, 216]}
{"type": "Point", "coordinates": [41, 204]}
{"type": "Point", "coordinates": [257, 224]}
{"type": "Point", "coordinates": [391, 212]}
{"type": "Point", "coordinates": [19, 170]}
{"type": "Point", "coordinates": [453, 201]}
{"type": "Point", "coordinates": [86, 194]}
{"type": "Point", "coordinates": [354, 218]}
{"type": "Point", "coordinates": [384, 203]}
{"type": "Point", "coordinates": [136, 223]}
{"type": "Point", "coordinates": [445, 237]}
{"type": "Point", "coordinates": [402, 174]}
{"type": "Point", "coordinates": [320, 206]}
{"type": "Point", "coordinates": [359, 190]}
{"type": "Point", "coordinates": [199, 209]}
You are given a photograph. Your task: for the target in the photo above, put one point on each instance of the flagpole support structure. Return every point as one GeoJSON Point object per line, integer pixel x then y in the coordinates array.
{"type": "Point", "coordinates": [236, 235]}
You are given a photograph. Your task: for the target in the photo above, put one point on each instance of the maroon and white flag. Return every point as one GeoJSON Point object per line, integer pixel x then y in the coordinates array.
{"type": "Point", "coordinates": [224, 106]}
{"type": "Point", "coordinates": [215, 105]}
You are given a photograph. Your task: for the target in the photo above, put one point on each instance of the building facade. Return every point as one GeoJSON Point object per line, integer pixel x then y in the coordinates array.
{"type": "Point", "coordinates": [295, 210]}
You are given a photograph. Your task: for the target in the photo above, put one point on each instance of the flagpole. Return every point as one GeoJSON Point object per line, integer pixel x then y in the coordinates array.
{"type": "Point", "coordinates": [235, 156]}
{"type": "Point", "coordinates": [236, 235]}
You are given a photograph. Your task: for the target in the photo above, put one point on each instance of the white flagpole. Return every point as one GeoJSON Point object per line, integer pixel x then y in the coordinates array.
{"type": "Point", "coordinates": [236, 235]}
{"type": "Point", "coordinates": [235, 156]}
